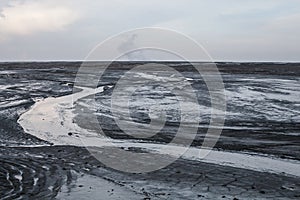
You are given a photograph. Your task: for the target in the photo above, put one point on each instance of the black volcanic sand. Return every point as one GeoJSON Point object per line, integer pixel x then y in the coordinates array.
{"type": "Point", "coordinates": [42, 172]}
{"type": "Point", "coordinates": [20, 85]}
{"type": "Point", "coordinates": [255, 128]}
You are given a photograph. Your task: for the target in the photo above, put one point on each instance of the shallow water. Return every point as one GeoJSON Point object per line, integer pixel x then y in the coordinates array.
{"type": "Point", "coordinates": [259, 144]}
{"type": "Point", "coordinates": [52, 120]}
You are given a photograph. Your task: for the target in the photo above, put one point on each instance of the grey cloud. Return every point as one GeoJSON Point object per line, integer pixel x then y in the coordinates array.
{"type": "Point", "coordinates": [29, 17]}
{"type": "Point", "coordinates": [229, 29]}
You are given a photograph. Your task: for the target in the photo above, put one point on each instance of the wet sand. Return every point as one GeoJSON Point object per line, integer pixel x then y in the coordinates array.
{"type": "Point", "coordinates": [58, 113]}
{"type": "Point", "coordinates": [35, 167]}
{"type": "Point", "coordinates": [66, 171]}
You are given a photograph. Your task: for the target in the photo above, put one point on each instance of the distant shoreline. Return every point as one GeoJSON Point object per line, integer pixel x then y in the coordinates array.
{"type": "Point", "coordinates": [143, 61]}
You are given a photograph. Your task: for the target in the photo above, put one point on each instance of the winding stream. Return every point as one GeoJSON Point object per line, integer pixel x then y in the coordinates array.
{"type": "Point", "coordinates": [52, 119]}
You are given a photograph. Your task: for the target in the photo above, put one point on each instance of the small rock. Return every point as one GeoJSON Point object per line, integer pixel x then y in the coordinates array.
{"type": "Point", "coordinates": [105, 88]}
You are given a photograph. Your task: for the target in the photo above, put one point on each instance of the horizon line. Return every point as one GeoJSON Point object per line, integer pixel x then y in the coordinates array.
{"type": "Point", "coordinates": [217, 61]}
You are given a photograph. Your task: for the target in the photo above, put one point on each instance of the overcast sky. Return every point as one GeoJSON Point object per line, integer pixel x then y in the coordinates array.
{"type": "Point", "coordinates": [232, 30]}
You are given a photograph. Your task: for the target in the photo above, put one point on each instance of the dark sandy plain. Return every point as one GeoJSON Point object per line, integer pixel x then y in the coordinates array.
{"type": "Point", "coordinates": [263, 115]}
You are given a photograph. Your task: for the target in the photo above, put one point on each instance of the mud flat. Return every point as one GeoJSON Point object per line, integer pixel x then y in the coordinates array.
{"type": "Point", "coordinates": [42, 156]}
{"type": "Point", "coordinates": [67, 172]}
{"type": "Point", "coordinates": [52, 120]}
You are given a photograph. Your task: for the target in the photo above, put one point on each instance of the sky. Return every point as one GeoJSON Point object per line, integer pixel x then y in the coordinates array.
{"type": "Point", "coordinates": [230, 30]}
